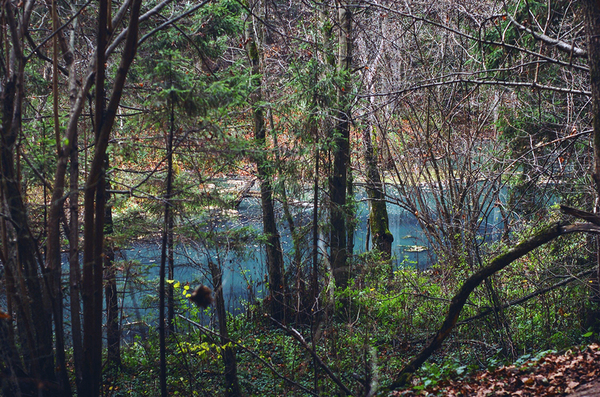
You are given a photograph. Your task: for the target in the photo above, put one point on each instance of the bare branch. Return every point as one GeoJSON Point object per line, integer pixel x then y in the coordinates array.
{"type": "Point", "coordinates": [460, 80]}
{"type": "Point", "coordinates": [529, 296]}
{"type": "Point", "coordinates": [559, 44]}
{"type": "Point", "coordinates": [173, 20]}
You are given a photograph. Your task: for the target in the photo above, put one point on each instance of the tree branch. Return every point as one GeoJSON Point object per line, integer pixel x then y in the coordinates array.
{"type": "Point", "coordinates": [586, 216]}
{"type": "Point", "coordinates": [460, 80]}
{"type": "Point", "coordinates": [559, 44]}
{"type": "Point", "coordinates": [458, 301]}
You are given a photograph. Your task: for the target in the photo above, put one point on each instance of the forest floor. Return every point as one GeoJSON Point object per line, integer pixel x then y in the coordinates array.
{"type": "Point", "coordinates": [574, 373]}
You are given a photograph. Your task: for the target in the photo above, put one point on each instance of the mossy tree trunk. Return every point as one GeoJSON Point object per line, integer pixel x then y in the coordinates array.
{"type": "Point", "coordinates": [378, 217]}
{"type": "Point", "coordinates": [341, 153]}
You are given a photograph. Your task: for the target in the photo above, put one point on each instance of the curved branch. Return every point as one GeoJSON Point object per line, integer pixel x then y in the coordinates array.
{"type": "Point", "coordinates": [498, 263]}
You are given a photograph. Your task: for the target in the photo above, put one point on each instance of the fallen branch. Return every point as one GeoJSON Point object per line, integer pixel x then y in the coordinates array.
{"type": "Point", "coordinates": [458, 301]}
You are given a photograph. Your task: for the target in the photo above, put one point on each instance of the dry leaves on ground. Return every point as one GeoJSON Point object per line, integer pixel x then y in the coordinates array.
{"type": "Point", "coordinates": [574, 372]}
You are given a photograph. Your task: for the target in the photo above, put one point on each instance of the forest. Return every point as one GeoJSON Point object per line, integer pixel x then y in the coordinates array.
{"type": "Point", "coordinates": [296, 197]}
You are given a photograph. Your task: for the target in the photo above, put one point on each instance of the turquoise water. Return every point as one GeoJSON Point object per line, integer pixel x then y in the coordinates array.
{"type": "Point", "coordinates": [244, 276]}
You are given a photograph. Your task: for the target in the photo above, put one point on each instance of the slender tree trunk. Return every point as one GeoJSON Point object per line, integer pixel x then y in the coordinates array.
{"type": "Point", "coordinates": [300, 291]}
{"type": "Point", "coordinates": [93, 248]}
{"type": "Point", "coordinates": [171, 276]}
{"type": "Point", "coordinates": [591, 10]}
{"type": "Point", "coordinates": [74, 269]}
{"type": "Point", "coordinates": [33, 299]}
{"type": "Point", "coordinates": [53, 261]}
{"type": "Point", "coordinates": [113, 332]}
{"type": "Point", "coordinates": [273, 244]}
{"type": "Point", "coordinates": [350, 213]}
{"type": "Point", "coordinates": [378, 229]}
{"type": "Point", "coordinates": [10, 360]}
{"type": "Point", "coordinates": [232, 387]}
{"type": "Point", "coordinates": [341, 154]}
{"type": "Point", "coordinates": [170, 223]}
{"type": "Point", "coordinates": [163, 258]}
{"type": "Point", "coordinates": [8, 349]}
{"type": "Point", "coordinates": [314, 287]}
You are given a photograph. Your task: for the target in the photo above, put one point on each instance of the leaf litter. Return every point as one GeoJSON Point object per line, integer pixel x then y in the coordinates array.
{"type": "Point", "coordinates": [574, 373]}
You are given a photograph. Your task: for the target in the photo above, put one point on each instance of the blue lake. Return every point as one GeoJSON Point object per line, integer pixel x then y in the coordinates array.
{"type": "Point", "coordinates": [244, 275]}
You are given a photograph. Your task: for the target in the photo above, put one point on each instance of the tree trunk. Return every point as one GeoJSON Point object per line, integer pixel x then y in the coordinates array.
{"type": "Point", "coordinates": [32, 297]}
{"type": "Point", "coordinates": [93, 247]}
{"type": "Point", "coordinates": [169, 224]}
{"type": "Point", "coordinates": [163, 257]}
{"type": "Point", "coordinates": [341, 154]}
{"type": "Point", "coordinates": [350, 213]}
{"type": "Point", "coordinates": [381, 236]}
{"type": "Point", "coordinates": [74, 269]}
{"type": "Point", "coordinates": [591, 10]}
{"type": "Point", "coordinates": [113, 333]}
{"type": "Point", "coordinates": [232, 387]}
{"type": "Point", "coordinates": [294, 231]}
{"type": "Point", "coordinates": [273, 244]}
{"type": "Point", "coordinates": [94, 202]}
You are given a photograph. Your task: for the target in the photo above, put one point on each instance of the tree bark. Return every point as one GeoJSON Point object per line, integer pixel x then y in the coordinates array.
{"type": "Point", "coordinates": [32, 296]}
{"type": "Point", "coordinates": [273, 245]}
{"type": "Point", "coordinates": [232, 387]}
{"type": "Point", "coordinates": [113, 333]}
{"type": "Point", "coordinates": [381, 236]}
{"type": "Point", "coordinates": [163, 257]}
{"type": "Point", "coordinates": [341, 154]}
{"type": "Point", "coordinates": [93, 247]}
{"type": "Point", "coordinates": [591, 10]}
{"type": "Point", "coordinates": [94, 201]}
{"type": "Point", "coordinates": [74, 268]}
